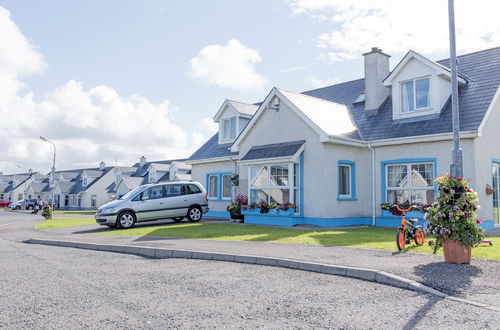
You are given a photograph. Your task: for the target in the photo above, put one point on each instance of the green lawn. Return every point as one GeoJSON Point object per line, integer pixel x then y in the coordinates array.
{"type": "Point", "coordinates": [65, 222]}
{"type": "Point", "coordinates": [375, 238]}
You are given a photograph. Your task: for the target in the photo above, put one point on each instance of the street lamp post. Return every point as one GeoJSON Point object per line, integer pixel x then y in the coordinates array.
{"type": "Point", "coordinates": [456, 167]}
{"type": "Point", "coordinates": [25, 181]}
{"type": "Point", "coordinates": [53, 176]}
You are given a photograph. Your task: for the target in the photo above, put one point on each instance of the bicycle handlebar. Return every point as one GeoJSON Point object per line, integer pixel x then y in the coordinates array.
{"type": "Point", "coordinates": [403, 210]}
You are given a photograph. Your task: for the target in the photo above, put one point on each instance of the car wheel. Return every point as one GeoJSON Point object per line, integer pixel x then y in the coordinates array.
{"type": "Point", "coordinates": [178, 219]}
{"type": "Point", "coordinates": [18, 207]}
{"type": "Point", "coordinates": [126, 220]}
{"type": "Point", "coordinates": [29, 207]}
{"type": "Point", "coordinates": [194, 214]}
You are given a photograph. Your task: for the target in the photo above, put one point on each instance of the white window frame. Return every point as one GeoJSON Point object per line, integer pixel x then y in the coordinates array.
{"type": "Point", "coordinates": [151, 176]}
{"type": "Point", "coordinates": [349, 181]}
{"type": "Point", "coordinates": [410, 187]}
{"type": "Point", "coordinates": [291, 187]}
{"type": "Point", "coordinates": [216, 187]}
{"type": "Point", "coordinates": [415, 108]}
{"type": "Point", "coordinates": [84, 181]}
{"type": "Point", "coordinates": [222, 187]}
{"type": "Point", "coordinates": [229, 135]}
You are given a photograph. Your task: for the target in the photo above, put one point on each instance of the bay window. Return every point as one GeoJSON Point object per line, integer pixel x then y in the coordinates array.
{"type": "Point", "coordinates": [275, 183]}
{"type": "Point", "coordinates": [415, 94]}
{"type": "Point", "coordinates": [410, 182]}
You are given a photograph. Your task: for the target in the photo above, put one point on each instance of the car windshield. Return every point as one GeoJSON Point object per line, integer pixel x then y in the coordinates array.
{"type": "Point", "coordinates": [132, 192]}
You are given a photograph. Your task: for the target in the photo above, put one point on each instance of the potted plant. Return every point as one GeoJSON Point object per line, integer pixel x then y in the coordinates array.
{"type": "Point", "coordinates": [234, 208]}
{"type": "Point", "coordinates": [286, 208]}
{"type": "Point", "coordinates": [47, 211]}
{"type": "Point", "coordinates": [452, 220]}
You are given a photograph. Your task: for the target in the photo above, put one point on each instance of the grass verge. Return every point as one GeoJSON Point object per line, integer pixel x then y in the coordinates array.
{"type": "Point", "coordinates": [65, 222]}
{"type": "Point", "coordinates": [374, 238]}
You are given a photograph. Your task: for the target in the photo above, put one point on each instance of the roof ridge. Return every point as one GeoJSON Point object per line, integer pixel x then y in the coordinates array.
{"type": "Point", "coordinates": [314, 97]}
{"type": "Point", "coordinates": [468, 54]}
{"type": "Point", "coordinates": [231, 100]}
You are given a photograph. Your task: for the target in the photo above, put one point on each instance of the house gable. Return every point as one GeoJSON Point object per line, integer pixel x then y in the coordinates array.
{"type": "Point", "coordinates": [232, 118]}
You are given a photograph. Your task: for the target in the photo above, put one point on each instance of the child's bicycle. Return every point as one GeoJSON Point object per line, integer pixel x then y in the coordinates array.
{"type": "Point", "coordinates": [408, 231]}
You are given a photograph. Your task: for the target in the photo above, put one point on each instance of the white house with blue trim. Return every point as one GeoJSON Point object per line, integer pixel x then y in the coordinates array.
{"type": "Point", "coordinates": [340, 151]}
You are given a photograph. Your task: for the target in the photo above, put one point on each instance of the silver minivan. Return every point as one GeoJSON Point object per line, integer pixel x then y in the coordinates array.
{"type": "Point", "coordinates": [166, 200]}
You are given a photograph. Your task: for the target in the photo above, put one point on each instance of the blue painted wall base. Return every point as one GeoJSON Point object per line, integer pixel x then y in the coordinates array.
{"type": "Point", "coordinates": [217, 214]}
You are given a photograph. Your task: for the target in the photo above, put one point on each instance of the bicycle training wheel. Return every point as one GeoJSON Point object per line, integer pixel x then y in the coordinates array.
{"type": "Point", "coordinates": [400, 240]}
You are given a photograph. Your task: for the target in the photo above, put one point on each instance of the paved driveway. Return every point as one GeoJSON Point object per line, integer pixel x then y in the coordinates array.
{"type": "Point", "coordinates": [53, 287]}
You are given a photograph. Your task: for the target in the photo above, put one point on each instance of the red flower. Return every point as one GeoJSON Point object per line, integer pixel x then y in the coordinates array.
{"type": "Point", "coordinates": [478, 221]}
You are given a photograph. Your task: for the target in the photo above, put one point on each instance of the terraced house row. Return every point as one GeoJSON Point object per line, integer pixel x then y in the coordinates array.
{"type": "Point", "coordinates": [89, 188]}
{"type": "Point", "coordinates": [340, 151]}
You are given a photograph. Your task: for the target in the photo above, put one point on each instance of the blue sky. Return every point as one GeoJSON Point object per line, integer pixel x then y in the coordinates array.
{"type": "Point", "coordinates": [164, 67]}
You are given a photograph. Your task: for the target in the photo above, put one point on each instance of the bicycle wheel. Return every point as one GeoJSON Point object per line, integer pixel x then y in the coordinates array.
{"type": "Point", "coordinates": [419, 236]}
{"type": "Point", "coordinates": [400, 240]}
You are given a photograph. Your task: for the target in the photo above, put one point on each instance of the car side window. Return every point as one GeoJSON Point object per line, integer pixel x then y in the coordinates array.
{"type": "Point", "coordinates": [192, 189]}
{"type": "Point", "coordinates": [174, 190]}
{"type": "Point", "coordinates": [154, 192]}
{"type": "Point", "coordinates": [139, 196]}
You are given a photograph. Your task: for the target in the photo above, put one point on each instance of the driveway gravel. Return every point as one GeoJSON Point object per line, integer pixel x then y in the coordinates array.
{"type": "Point", "coordinates": [54, 287]}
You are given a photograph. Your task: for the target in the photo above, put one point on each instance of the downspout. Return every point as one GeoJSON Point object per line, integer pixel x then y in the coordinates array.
{"type": "Point", "coordinates": [374, 210]}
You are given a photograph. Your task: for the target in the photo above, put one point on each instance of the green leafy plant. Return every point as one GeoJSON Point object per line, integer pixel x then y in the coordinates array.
{"type": "Point", "coordinates": [453, 216]}
{"type": "Point", "coordinates": [235, 180]}
{"type": "Point", "coordinates": [235, 206]}
{"type": "Point", "coordinates": [47, 211]}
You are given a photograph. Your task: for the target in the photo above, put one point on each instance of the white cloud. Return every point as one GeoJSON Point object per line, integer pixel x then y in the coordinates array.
{"type": "Point", "coordinates": [397, 26]}
{"type": "Point", "coordinates": [231, 66]}
{"type": "Point", "coordinates": [292, 69]}
{"type": "Point", "coordinates": [87, 125]}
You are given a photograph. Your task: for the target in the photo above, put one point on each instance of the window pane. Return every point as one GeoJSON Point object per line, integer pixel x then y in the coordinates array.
{"type": "Point", "coordinates": [398, 196]}
{"type": "Point", "coordinates": [279, 175]}
{"type": "Point", "coordinates": [422, 175]}
{"type": "Point", "coordinates": [422, 93]}
{"type": "Point", "coordinates": [257, 195]}
{"type": "Point", "coordinates": [422, 196]}
{"type": "Point", "coordinates": [279, 195]}
{"type": "Point", "coordinates": [295, 175]}
{"type": "Point", "coordinates": [345, 177]}
{"type": "Point", "coordinates": [155, 192]}
{"type": "Point", "coordinates": [296, 199]}
{"type": "Point", "coordinates": [212, 186]}
{"type": "Point", "coordinates": [397, 176]}
{"type": "Point", "coordinates": [232, 134]}
{"type": "Point", "coordinates": [173, 190]}
{"type": "Point", "coordinates": [193, 189]}
{"type": "Point", "coordinates": [407, 99]}
{"type": "Point", "coordinates": [259, 176]}
{"type": "Point", "coordinates": [226, 186]}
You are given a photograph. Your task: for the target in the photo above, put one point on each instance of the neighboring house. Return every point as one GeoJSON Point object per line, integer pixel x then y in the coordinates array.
{"type": "Point", "coordinates": [13, 187]}
{"type": "Point", "coordinates": [146, 172]}
{"type": "Point", "coordinates": [338, 152]}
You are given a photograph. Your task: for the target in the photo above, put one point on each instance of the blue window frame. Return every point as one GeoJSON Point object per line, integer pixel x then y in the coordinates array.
{"type": "Point", "coordinates": [346, 180]}
{"type": "Point", "coordinates": [219, 186]}
{"type": "Point", "coordinates": [408, 179]}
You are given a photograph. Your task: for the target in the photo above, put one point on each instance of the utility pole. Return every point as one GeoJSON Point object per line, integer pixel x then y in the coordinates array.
{"type": "Point", "coordinates": [456, 167]}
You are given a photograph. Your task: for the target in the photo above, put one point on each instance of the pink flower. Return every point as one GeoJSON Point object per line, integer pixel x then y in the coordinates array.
{"type": "Point", "coordinates": [479, 221]}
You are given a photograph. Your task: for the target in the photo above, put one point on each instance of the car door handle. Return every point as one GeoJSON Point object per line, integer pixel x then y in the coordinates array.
{"type": "Point", "coordinates": [161, 203]}
{"type": "Point", "coordinates": [185, 200]}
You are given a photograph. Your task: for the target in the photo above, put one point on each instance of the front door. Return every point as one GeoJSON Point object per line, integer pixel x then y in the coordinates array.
{"type": "Point", "coordinates": [496, 192]}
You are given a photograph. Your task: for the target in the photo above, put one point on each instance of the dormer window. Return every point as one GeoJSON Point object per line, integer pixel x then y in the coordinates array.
{"type": "Point", "coordinates": [152, 176]}
{"type": "Point", "coordinates": [228, 129]}
{"type": "Point", "coordinates": [84, 182]}
{"type": "Point", "coordinates": [415, 95]}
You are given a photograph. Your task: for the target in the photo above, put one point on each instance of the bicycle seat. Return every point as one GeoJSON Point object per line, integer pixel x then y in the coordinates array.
{"type": "Point", "coordinates": [413, 220]}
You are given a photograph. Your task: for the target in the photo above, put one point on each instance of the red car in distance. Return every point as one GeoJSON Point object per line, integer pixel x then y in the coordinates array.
{"type": "Point", "coordinates": [4, 203]}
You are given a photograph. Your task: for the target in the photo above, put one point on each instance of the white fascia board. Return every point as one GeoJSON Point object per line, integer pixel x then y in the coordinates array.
{"type": "Point", "coordinates": [425, 138]}
{"type": "Point", "coordinates": [211, 160]}
{"type": "Point", "coordinates": [440, 69]}
{"type": "Point", "coordinates": [496, 98]}
{"type": "Point", "coordinates": [221, 110]}
{"type": "Point", "coordinates": [342, 140]}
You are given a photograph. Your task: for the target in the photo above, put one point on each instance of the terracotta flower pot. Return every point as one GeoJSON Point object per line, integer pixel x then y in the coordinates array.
{"type": "Point", "coordinates": [456, 253]}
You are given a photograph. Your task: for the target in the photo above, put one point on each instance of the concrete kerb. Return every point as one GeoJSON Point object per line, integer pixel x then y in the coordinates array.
{"type": "Point", "coordinates": [365, 274]}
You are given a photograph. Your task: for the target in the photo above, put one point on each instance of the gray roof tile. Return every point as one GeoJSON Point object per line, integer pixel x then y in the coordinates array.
{"type": "Point", "coordinates": [273, 150]}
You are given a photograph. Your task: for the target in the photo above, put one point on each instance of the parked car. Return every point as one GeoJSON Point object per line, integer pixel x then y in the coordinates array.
{"type": "Point", "coordinates": [4, 203]}
{"type": "Point", "coordinates": [172, 200]}
{"type": "Point", "coordinates": [28, 204]}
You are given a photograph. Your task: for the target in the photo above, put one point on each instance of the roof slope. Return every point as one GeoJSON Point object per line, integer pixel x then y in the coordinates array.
{"type": "Point", "coordinates": [212, 149]}
{"type": "Point", "coordinates": [244, 108]}
{"type": "Point", "coordinates": [483, 68]}
{"type": "Point", "coordinates": [273, 150]}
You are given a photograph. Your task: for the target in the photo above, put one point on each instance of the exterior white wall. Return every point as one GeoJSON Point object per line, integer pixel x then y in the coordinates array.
{"type": "Point", "coordinates": [320, 165]}
{"type": "Point", "coordinates": [98, 189]}
{"type": "Point", "coordinates": [199, 174]}
{"type": "Point", "coordinates": [439, 88]}
{"type": "Point", "coordinates": [487, 148]}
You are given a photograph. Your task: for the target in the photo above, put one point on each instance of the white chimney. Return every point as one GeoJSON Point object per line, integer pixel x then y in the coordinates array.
{"type": "Point", "coordinates": [376, 70]}
{"type": "Point", "coordinates": [142, 161]}
{"type": "Point", "coordinates": [102, 165]}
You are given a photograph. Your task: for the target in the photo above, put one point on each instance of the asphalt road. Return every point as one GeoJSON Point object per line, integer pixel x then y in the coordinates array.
{"type": "Point", "coordinates": [54, 287]}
